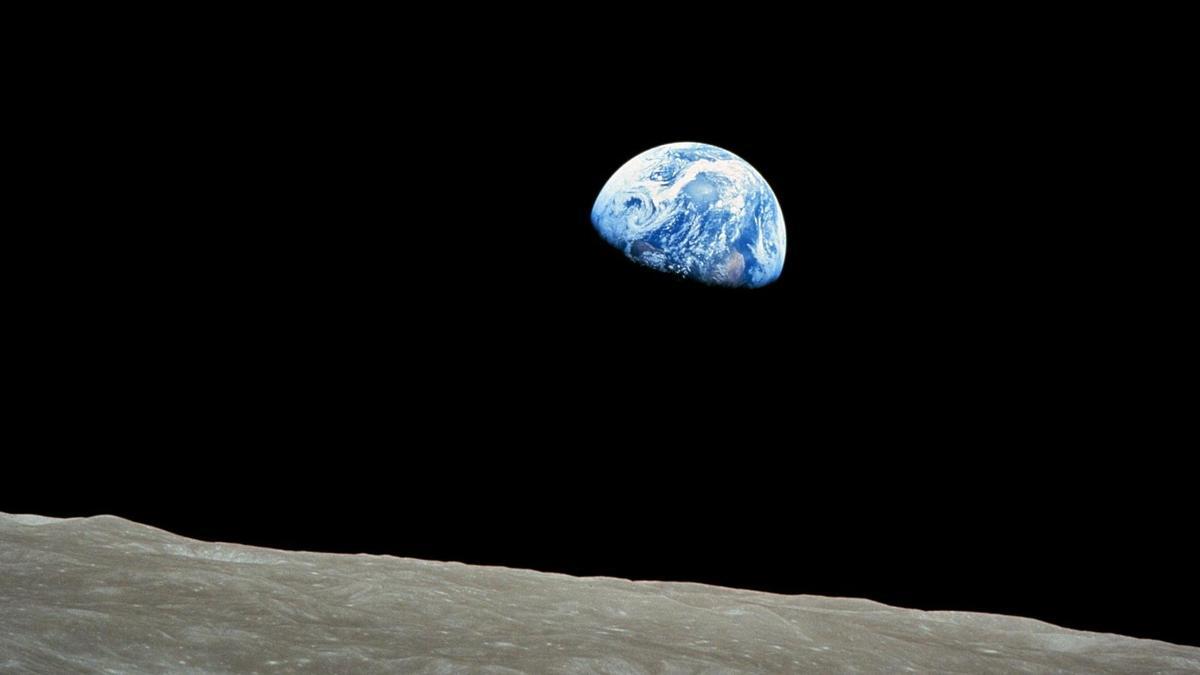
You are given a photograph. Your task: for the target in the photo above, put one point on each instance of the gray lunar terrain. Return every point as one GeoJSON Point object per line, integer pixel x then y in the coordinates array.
{"type": "Point", "coordinates": [106, 595]}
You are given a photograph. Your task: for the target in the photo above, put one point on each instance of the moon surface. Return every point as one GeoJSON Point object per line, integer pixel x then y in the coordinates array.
{"type": "Point", "coordinates": [106, 595]}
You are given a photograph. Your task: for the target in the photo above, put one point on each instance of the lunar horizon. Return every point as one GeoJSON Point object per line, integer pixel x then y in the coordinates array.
{"type": "Point", "coordinates": [104, 594]}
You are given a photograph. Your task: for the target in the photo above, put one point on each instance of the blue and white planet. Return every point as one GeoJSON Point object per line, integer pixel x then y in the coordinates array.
{"type": "Point", "coordinates": [695, 210]}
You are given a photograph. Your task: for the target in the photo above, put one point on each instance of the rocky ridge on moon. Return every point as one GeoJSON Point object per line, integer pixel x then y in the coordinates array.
{"type": "Point", "coordinates": [106, 595]}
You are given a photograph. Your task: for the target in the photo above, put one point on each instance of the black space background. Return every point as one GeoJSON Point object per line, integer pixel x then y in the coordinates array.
{"type": "Point", "coordinates": [345, 298]}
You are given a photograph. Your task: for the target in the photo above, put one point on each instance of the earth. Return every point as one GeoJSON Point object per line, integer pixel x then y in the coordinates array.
{"type": "Point", "coordinates": [695, 210]}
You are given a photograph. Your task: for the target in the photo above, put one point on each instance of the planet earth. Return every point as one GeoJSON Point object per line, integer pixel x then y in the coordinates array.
{"type": "Point", "coordinates": [695, 210]}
